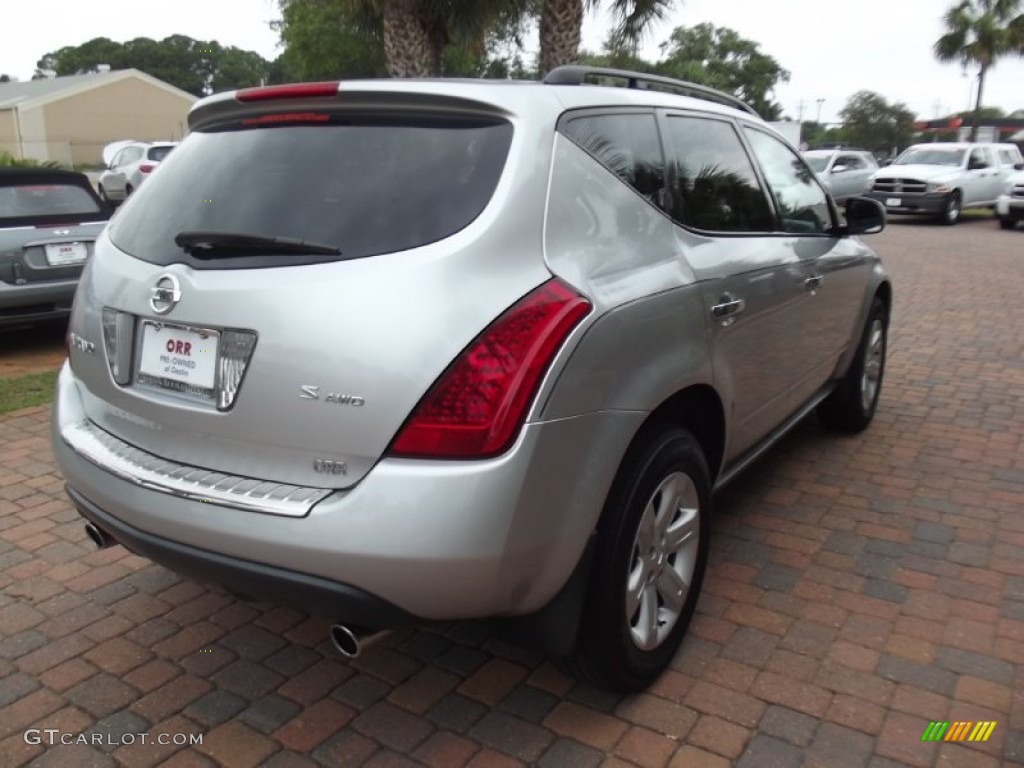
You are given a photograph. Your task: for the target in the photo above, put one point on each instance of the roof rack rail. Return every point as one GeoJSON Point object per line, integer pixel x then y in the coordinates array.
{"type": "Point", "coordinates": [577, 74]}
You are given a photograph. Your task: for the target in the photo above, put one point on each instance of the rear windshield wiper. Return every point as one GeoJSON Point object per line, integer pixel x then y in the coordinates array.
{"type": "Point", "coordinates": [206, 243]}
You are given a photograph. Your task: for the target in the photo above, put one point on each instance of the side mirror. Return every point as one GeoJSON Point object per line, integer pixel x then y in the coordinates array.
{"type": "Point", "coordinates": [864, 216]}
{"type": "Point", "coordinates": [1018, 166]}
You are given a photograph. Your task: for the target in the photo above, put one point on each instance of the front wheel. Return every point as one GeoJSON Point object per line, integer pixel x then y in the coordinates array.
{"type": "Point", "coordinates": [852, 405]}
{"type": "Point", "coordinates": [951, 209]}
{"type": "Point", "coordinates": [650, 560]}
{"type": "Point", "coordinates": [1007, 223]}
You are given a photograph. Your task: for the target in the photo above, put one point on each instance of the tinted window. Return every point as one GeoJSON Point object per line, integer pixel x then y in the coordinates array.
{"type": "Point", "coordinates": [978, 158]}
{"type": "Point", "coordinates": [30, 201]}
{"type": "Point", "coordinates": [627, 145]}
{"type": "Point", "coordinates": [852, 162]}
{"type": "Point", "coordinates": [156, 154]}
{"type": "Point", "coordinates": [803, 206]}
{"type": "Point", "coordinates": [715, 187]}
{"type": "Point", "coordinates": [363, 185]}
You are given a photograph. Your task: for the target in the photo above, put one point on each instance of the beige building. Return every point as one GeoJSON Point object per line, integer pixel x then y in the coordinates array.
{"type": "Point", "coordinates": [70, 119]}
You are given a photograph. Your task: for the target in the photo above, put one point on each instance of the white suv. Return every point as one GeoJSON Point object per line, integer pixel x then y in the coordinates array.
{"type": "Point", "coordinates": [131, 166]}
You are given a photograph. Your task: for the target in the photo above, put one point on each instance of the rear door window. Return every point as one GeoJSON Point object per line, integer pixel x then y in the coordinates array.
{"type": "Point", "coordinates": [156, 154]}
{"type": "Point", "coordinates": [714, 185]}
{"type": "Point", "coordinates": [364, 185]}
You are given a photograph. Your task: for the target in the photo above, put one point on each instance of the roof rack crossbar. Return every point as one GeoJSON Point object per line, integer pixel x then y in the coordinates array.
{"type": "Point", "coordinates": [577, 74]}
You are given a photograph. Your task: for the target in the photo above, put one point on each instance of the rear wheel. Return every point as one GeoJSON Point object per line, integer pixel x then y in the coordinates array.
{"type": "Point", "coordinates": [650, 560]}
{"type": "Point", "coordinates": [1007, 223]}
{"type": "Point", "coordinates": [852, 405]}
{"type": "Point", "coordinates": [951, 209]}
{"type": "Point", "coordinates": [128, 189]}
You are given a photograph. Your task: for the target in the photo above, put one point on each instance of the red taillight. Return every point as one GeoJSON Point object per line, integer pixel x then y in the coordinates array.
{"type": "Point", "coordinates": [292, 91]}
{"type": "Point", "coordinates": [478, 405]}
{"type": "Point", "coordinates": [288, 117]}
{"type": "Point", "coordinates": [146, 168]}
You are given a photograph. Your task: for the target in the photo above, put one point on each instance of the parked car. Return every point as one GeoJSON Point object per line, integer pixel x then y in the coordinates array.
{"type": "Point", "coordinates": [1010, 205]}
{"type": "Point", "coordinates": [131, 165]}
{"type": "Point", "coordinates": [49, 221]}
{"type": "Point", "coordinates": [942, 179]}
{"type": "Point", "coordinates": [451, 350]}
{"type": "Point", "coordinates": [844, 172]}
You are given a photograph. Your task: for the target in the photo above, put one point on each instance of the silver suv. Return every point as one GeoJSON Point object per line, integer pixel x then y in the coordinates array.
{"type": "Point", "coordinates": [845, 173]}
{"type": "Point", "coordinates": [395, 351]}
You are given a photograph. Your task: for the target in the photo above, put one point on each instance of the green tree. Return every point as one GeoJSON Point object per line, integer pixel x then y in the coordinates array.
{"type": "Point", "coordinates": [714, 56]}
{"type": "Point", "coordinates": [720, 58]}
{"type": "Point", "coordinates": [871, 122]}
{"type": "Point", "coordinates": [561, 25]}
{"type": "Point", "coordinates": [346, 38]}
{"type": "Point", "coordinates": [5, 78]}
{"type": "Point", "coordinates": [979, 33]}
{"type": "Point", "coordinates": [197, 66]}
{"type": "Point", "coordinates": [325, 39]}
{"type": "Point", "coordinates": [418, 33]}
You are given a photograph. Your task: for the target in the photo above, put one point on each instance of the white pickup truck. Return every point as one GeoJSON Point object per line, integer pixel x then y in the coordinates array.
{"type": "Point", "coordinates": [942, 179]}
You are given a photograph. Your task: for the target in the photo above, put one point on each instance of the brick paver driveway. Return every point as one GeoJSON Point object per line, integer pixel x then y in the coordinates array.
{"type": "Point", "coordinates": [860, 587]}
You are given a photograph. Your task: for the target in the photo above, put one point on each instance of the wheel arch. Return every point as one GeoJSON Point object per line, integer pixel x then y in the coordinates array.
{"type": "Point", "coordinates": [697, 408]}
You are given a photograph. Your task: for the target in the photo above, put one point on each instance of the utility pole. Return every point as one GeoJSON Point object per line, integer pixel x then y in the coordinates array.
{"type": "Point", "coordinates": [800, 112]}
{"type": "Point", "coordinates": [820, 102]}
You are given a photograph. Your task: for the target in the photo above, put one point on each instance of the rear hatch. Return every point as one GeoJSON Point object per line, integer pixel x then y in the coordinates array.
{"type": "Point", "coordinates": [49, 221]}
{"type": "Point", "coordinates": [275, 302]}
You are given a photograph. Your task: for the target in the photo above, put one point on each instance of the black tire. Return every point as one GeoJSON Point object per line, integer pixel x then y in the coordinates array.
{"type": "Point", "coordinates": [128, 189]}
{"type": "Point", "coordinates": [851, 407]}
{"type": "Point", "coordinates": [606, 653]}
{"type": "Point", "coordinates": [1007, 223]}
{"type": "Point", "coordinates": [951, 209]}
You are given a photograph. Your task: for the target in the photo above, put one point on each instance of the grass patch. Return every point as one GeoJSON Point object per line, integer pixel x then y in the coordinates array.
{"type": "Point", "coordinates": [26, 391]}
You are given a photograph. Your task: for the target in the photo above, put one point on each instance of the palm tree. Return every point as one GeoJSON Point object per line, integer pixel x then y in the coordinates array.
{"type": "Point", "coordinates": [980, 32]}
{"type": "Point", "coordinates": [416, 32]}
{"type": "Point", "coordinates": [561, 23]}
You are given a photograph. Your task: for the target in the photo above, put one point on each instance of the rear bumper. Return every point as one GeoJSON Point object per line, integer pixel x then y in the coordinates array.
{"type": "Point", "coordinates": [910, 203]}
{"type": "Point", "coordinates": [254, 581]}
{"type": "Point", "coordinates": [32, 302]}
{"type": "Point", "coordinates": [436, 540]}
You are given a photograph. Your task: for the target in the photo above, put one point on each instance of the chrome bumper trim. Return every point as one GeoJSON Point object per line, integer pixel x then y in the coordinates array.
{"type": "Point", "coordinates": [144, 469]}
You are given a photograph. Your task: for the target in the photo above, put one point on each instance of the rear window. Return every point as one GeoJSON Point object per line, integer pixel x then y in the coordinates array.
{"type": "Point", "coordinates": [156, 154]}
{"type": "Point", "coordinates": [30, 202]}
{"type": "Point", "coordinates": [367, 186]}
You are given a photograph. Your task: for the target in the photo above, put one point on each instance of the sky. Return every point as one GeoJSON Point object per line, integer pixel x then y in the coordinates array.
{"type": "Point", "coordinates": [831, 49]}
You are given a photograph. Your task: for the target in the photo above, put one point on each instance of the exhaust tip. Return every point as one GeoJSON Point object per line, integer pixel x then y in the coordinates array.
{"type": "Point", "coordinates": [345, 640]}
{"type": "Point", "coordinates": [97, 536]}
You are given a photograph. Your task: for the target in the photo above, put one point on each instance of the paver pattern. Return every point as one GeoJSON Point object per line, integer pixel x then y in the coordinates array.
{"type": "Point", "coordinates": [860, 587]}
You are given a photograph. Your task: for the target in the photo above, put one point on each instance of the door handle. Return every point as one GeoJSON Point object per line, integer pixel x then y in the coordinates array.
{"type": "Point", "coordinates": [813, 282]}
{"type": "Point", "coordinates": [727, 306]}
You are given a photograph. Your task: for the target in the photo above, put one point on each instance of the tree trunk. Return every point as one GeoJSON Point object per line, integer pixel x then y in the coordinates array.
{"type": "Point", "coordinates": [976, 117]}
{"type": "Point", "coordinates": [407, 42]}
{"type": "Point", "coordinates": [561, 23]}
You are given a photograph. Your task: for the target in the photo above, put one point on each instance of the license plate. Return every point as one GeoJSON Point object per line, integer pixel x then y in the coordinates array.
{"type": "Point", "coordinates": [179, 358]}
{"type": "Point", "coordinates": [893, 202]}
{"type": "Point", "coordinates": [64, 254]}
